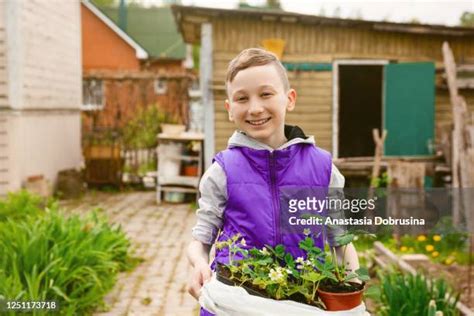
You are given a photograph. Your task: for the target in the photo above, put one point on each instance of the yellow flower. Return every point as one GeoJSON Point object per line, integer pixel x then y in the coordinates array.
{"type": "Point", "coordinates": [436, 237]}
{"type": "Point", "coordinates": [434, 254]}
{"type": "Point", "coordinates": [429, 248]}
{"type": "Point", "coordinates": [449, 260]}
{"type": "Point", "coordinates": [403, 248]}
{"type": "Point", "coordinates": [421, 238]}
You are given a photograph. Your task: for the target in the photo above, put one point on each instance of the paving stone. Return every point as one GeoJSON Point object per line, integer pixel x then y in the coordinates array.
{"type": "Point", "coordinates": [160, 234]}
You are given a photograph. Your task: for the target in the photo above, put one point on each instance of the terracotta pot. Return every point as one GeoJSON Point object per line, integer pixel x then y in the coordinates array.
{"type": "Point", "coordinates": [341, 301]}
{"type": "Point", "coordinates": [190, 170]}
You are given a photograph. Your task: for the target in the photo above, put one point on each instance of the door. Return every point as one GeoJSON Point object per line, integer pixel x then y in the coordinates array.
{"type": "Point", "coordinates": [360, 108]}
{"type": "Point", "coordinates": [409, 92]}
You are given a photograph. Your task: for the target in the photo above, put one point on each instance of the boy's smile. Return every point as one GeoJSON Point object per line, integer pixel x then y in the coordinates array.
{"type": "Point", "coordinates": [258, 104]}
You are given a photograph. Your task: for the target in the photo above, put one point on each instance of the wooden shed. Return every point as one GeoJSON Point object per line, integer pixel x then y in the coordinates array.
{"type": "Point", "coordinates": [350, 75]}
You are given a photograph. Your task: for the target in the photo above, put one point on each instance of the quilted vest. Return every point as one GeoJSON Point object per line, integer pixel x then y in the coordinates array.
{"type": "Point", "coordinates": [255, 181]}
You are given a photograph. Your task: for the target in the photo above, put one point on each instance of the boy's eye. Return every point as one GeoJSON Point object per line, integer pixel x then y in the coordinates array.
{"type": "Point", "coordinates": [240, 99]}
{"type": "Point", "coordinates": [266, 94]}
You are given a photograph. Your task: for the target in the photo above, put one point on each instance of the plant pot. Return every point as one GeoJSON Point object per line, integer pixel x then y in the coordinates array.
{"type": "Point", "coordinates": [341, 301]}
{"type": "Point", "coordinates": [190, 170]}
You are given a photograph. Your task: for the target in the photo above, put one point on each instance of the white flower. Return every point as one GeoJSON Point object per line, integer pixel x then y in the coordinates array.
{"type": "Point", "coordinates": [288, 271]}
{"type": "Point", "coordinates": [299, 267]}
{"type": "Point", "coordinates": [308, 263]}
{"type": "Point", "coordinates": [276, 275]}
{"type": "Point", "coordinates": [306, 231]}
{"type": "Point", "coordinates": [264, 251]}
{"type": "Point", "coordinates": [243, 242]}
{"type": "Point", "coordinates": [299, 260]}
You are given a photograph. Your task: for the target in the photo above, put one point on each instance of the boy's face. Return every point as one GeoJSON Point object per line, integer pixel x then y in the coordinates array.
{"type": "Point", "coordinates": [258, 103]}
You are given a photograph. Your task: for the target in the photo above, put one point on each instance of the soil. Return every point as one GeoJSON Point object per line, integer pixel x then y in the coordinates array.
{"type": "Point", "coordinates": [223, 275]}
{"type": "Point", "coordinates": [456, 275]}
{"type": "Point", "coordinates": [341, 288]}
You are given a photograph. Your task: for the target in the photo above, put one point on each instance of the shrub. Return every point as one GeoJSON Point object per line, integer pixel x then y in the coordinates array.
{"type": "Point", "coordinates": [70, 260]}
{"type": "Point", "coordinates": [411, 295]}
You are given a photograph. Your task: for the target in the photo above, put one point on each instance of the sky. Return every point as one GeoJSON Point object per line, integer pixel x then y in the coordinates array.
{"type": "Point", "coordinates": [446, 12]}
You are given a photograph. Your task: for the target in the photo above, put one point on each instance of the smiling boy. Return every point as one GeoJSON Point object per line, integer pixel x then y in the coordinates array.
{"type": "Point", "coordinates": [240, 190]}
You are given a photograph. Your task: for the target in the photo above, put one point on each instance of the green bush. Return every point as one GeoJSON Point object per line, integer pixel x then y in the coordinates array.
{"type": "Point", "coordinates": [411, 295]}
{"type": "Point", "coordinates": [18, 206]}
{"type": "Point", "coordinates": [73, 261]}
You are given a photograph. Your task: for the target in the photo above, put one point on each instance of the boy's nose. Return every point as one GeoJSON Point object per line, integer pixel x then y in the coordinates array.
{"type": "Point", "coordinates": [255, 108]}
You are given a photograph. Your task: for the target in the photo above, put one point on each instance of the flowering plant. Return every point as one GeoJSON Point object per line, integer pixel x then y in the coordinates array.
{"type": "Point", "coordinates": [272, 272]}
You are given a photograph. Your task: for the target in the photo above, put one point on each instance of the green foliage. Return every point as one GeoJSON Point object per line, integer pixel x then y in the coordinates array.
{"type": "Point", "coordinates": [20, 205]}
{"type": "Point", "coordinates": [50, 257]}
{"type": "Point", "coordinates": [381, 182]}
{"type": "Point", "coordinates": [276, 271]}
{"type": "Point", "coordinates": [467, 19]}
{"type": "Point", "coordinates": [141, 130]}
{"type": "Point", "coordinates": [445, 243]}
{"type": "Point", "coordinates": [411, 295]}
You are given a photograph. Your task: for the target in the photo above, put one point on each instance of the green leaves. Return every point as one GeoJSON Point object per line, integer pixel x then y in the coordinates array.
{"type": "Point", "coordinates": [344, 239]}
{"type": "Point", "coordinates": [48, 256]}
{"type": "Point", "coordinates": [411, 295]}
{"type": "Point", "coordinates": [312, 276]}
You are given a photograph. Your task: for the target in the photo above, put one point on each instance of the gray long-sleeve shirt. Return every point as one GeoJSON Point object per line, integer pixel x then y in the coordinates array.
{"type": "Point", "coordinates": [213, 189]}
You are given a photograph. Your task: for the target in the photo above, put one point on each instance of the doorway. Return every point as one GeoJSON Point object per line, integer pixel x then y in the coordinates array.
{"type": "Point", "coordinates": [358, 107]}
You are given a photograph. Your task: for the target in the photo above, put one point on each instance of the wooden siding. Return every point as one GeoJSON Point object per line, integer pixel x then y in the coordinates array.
{"type": "Point", "coordinates": [48, 55]}
{"type": "Point", "coordinates": [3, 59]}
{"type": "Point", "coordinates": [4, 155]}
{"type": "Point", "coordinates": [306, 43]}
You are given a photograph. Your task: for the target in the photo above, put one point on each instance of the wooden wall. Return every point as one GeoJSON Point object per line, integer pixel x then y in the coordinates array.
{"type": "Point", "coordinates": [45, 54]}
{"type": "Point", "coordinates": [40, 120]}
{"type": "Point", "coordinates": [324, 44]}
{"type": "Point", "coordinates": [3, 57]}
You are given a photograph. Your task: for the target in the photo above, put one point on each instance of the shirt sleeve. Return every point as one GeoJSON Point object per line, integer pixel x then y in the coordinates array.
{"type": "Point", "coordinates": [213, 190]}
{"type": "Point", "coordinates": [336, 187]}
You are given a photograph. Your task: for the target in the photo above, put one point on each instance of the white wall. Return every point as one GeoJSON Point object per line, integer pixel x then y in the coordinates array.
{"type": "Point", "coordinates": [44, 54]}
{"type": "Point", "coordinates": [3, 60]}
{"type": "Point", "coordinates": [44, 142]}
{"type": "Point", "coordinates": [43, 70]}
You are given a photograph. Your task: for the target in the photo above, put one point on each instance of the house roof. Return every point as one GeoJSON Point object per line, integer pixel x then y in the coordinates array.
{"type": "Point", "coordinates": [140, 52]}
{"type": "Point", "coordinates": [189, 19]}
{"type": "Point", "coordinates": [154, 28]}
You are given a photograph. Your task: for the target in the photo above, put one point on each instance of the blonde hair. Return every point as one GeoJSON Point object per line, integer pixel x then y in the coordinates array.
{"type": "Point", "coordinates": [251, 57]}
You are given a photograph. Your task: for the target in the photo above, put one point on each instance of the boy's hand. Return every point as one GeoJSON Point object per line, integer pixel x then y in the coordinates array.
{"type": "Point", "coordinates": [200, 273]}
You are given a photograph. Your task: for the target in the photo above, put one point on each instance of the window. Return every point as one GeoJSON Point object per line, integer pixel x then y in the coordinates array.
{"type": "Point", "coordinates": [160, 86]}
{"type": "Point", "coordinates": [92, 95]}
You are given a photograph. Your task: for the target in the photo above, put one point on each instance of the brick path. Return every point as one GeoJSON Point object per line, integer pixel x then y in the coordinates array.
{"type": "Point", "coordinates": [159, 234]}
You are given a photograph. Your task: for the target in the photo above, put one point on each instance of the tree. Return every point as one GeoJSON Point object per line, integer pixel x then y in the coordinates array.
{"type": "Point", "coordinates": [105, 3]}
{"type": "Point", "coordinates": [467, 19]}
{"type": "Point", "coordinates": [273, 4]}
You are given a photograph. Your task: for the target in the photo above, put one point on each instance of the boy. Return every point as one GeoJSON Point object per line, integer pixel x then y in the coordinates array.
{"type": "Point", "coordinates": [239, 192]}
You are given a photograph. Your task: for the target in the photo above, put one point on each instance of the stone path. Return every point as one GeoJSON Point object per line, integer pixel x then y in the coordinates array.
{"type": "Point", "coordinates": [160, 235]}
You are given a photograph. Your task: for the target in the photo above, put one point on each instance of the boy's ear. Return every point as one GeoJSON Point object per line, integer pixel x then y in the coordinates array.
{"type": "Point", "coordinates": [291, 96]}
{"type": "Point", "coordinates": [227, 107]}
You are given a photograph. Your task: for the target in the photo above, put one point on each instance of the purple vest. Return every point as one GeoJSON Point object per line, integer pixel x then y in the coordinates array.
{"type": "Point", "coordinates": [254, 180]}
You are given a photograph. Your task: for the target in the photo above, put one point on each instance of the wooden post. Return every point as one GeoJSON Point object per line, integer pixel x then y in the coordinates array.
{"type": "Point", "coordinates": [459, 110]}
{"type": "Point", "coordinates": [379, 141]}
{"type": "Point", "coordinates": [205, 77]}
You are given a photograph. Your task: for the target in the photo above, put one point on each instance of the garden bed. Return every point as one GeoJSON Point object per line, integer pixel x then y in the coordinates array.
{"type": "Point", "coordinates": [455, 275]}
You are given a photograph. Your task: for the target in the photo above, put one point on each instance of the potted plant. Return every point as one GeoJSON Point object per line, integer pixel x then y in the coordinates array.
{"type": "Point", "coordinates": [274, 273]}
{"type": "Point", "coordinates": [338, 290]}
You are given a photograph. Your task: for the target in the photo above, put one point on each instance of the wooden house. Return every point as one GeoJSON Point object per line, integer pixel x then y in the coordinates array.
{"type": "Point", "coordinates": [350, 75]}
{"type": "Point", "coordinates": [40, 90]}
{"type": "Point", "coordinates": [125, 70]}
